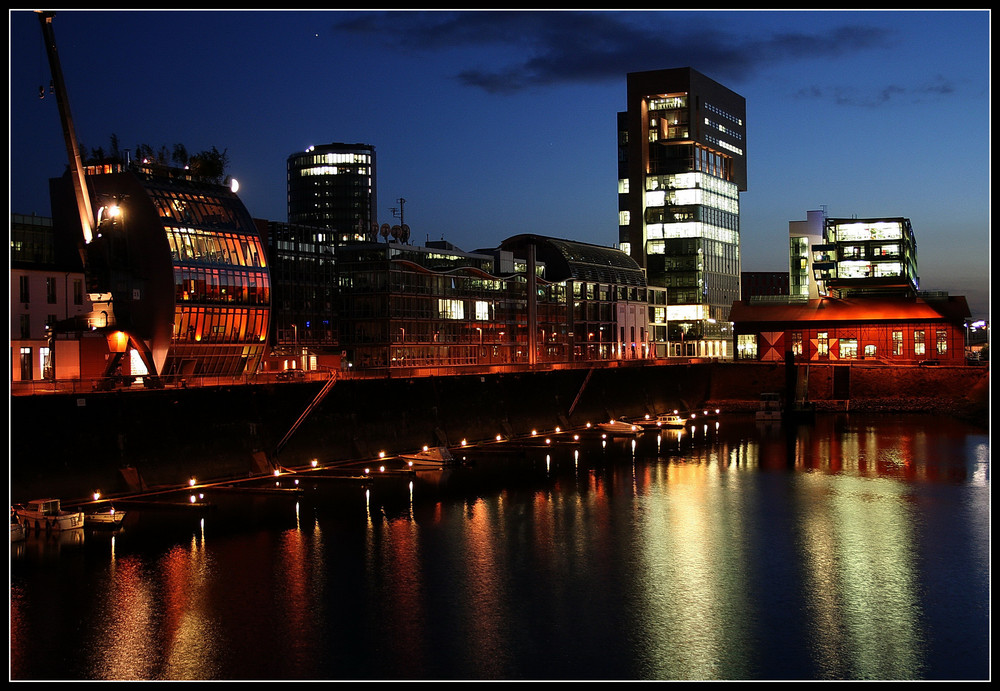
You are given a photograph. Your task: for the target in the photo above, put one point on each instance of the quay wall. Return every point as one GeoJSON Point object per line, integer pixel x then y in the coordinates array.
{"type": "Point", "coordinates": [69, 445]}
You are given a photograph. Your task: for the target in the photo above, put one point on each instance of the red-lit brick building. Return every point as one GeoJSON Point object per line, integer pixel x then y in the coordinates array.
{"type": "Point", "coordinates": [897, 330]}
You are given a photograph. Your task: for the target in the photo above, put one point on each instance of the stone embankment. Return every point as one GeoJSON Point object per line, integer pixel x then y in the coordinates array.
{"type": "Point", "coordinates": [71, 445]}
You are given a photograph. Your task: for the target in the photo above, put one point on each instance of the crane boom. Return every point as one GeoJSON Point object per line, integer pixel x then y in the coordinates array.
{"type": "Point", "coordinates": [72, 148]}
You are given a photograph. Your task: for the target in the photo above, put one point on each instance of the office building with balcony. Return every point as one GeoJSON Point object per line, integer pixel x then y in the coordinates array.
{"type": "Point", "coordinates": [334, 186]}
{"type": "Point", "coordinates": [871, 256]}
{"type": "Point", "coordinates": [682, 164]}
{"type": "Point", "coordinates": [175, 270]}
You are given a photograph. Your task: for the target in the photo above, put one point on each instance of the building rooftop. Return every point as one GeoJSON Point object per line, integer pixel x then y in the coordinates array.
{"type": "Point", "coordinates": [953, 309]}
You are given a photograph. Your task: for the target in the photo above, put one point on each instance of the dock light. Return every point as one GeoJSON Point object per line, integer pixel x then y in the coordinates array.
{"type": "Point", "coordinates": [97, 495]}
{"type": "Point", "coordinates": [576, 437]}
{"type": "Point", "coordinates": [314, 463]}
{"type": "Point", "coordinates": [191, 482]}
{"type": "Point", "coordinates": [409, 463]}
{"type": "Point", "coordinates": [499, 438]}
{"type": "Point", "coordinates": [425, 447]}
{"type": "Point", "coordinates": [463, 442]}
{"type": "Point", "coordinates": [381, 454]}
{"type": "Point", "coordinates": [534, 432]}
{"type": "Point", "coordinates": [367, 471]}
{"type": "Point", "coordinates": [381, 469]}
{"type": "Point", "coordinates": [558, 430]}
{"type": "Point", "coordinates": [588, 425]}
{"type": "Point", "coordinates": [548, 441]}
{"type": "Point", "coordinates": [193, 499]}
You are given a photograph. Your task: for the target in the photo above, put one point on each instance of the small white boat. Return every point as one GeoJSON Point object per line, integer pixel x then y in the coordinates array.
{"type": "Point", "coordinates": [105, 519]}
{"type": "Point", "coordinates": [620, 427]}
{"type": "Point", "coordinates": [47, 514]}
{"type": "Point", "coordinates": [435, 457]}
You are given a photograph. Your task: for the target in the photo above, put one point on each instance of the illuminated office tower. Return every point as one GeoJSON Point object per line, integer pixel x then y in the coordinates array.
{"type": "Point", "coordinates": [867, 256]}
{"type": "Point", "coordinates": [333, 186]}
{"type": "Point", "coordinates": [682, 164]}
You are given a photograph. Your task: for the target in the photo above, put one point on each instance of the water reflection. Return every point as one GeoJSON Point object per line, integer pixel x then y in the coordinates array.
{"type": "Point", "coordinates": [852, 549]}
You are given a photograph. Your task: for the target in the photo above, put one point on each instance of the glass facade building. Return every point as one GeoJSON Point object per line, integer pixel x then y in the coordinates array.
{"type": "Point", "coordinates": [334, 186]}
{"type": "Point", "coordinates": [682, 165]}
{"type": "Point", "coordinates": [867, 256]}
{"type": "Point", "coordinates": [177, 265]}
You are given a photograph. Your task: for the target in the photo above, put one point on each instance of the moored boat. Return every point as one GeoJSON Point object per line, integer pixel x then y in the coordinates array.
{"type": "Point", "coordinates": [47, 514]}
{"type": "Point", "coordinates": [17, 531]}
{"type": "Point", "coordinates": [673, 419]}
{"type": "Point", "coordinates": [105, 519]}
{"type": "Point", "coordinates": [429, 457]}
{"type": "Point", "coordinates": [620, 426]}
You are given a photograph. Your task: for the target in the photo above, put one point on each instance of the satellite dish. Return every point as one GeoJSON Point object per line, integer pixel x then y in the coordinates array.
{"type": "Point", "coordinates": [404, 232]}
{"type": "Point", "coordinates": [395, 232]}
{"type": "Point", "coordinates": [385, 230]}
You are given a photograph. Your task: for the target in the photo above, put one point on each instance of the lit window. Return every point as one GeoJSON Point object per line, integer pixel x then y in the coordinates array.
{"type": "Point", "coordinates": [746, 346]}
{"type": "Point", "coordinates": [919, 347]}
{"type": "Point", "coordinates": [822, 344]}
{"type": "Point", "coordinates": [849, 348]}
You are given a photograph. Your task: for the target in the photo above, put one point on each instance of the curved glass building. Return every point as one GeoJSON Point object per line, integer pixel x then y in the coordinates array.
{"type": "Point", "coordinates": [176, 264]}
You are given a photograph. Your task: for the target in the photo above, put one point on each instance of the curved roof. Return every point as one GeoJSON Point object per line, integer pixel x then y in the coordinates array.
{"type": "Point", "coordinates": [566, 259]}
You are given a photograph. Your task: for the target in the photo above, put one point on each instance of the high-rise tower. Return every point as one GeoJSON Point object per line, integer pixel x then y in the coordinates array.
{"type": "Point", "coordinates": [333, 186]}
{"type": "Point", "coordinates": [682, 164]}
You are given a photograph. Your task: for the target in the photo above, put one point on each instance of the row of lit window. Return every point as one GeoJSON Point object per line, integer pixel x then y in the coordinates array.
{"type": "Point", "coordinates": [221, 287]}
{"type": "Point", "coordinates": [210, 325]}
{"type": "Point", "coordinates": [692, 197]}
{"type": "Point", "coordinates": [847, 348]}
{"type": "Point", "coordinates": [719, 111]}
{"type": "Point", "coordinates": [724, 145]}
{"type": "Point", "coordinates": [656, 233]}
{"type": "Point", "coordinates": [725, 130]}
{"type": "Point", "coordinates": [200, 246]}
{"type": "Point", "coordinates": [195, 209]}
{"type": "Point", "coordinates": [853, 232]}
{"type": "Point", "coordinates": [690, 181]}
{"type": "Point", "coordinates": [331, 159]}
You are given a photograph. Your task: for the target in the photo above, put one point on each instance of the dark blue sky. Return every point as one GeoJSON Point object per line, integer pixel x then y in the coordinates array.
{"type": "Point", "coordinates": [492, 124]}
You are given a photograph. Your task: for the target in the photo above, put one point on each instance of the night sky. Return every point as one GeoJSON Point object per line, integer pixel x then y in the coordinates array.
{"type": "Point", "coordinates": [493, 124]}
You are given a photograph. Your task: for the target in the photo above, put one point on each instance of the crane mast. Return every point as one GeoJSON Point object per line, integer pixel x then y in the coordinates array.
{"type": "Point", "coordinates": [83, 205]}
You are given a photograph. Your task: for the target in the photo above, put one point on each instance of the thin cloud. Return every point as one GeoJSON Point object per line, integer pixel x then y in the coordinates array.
{"type": "Point", "coordinates": [891, 93]}
{"type": "Point", "coordinates": [549, 48]}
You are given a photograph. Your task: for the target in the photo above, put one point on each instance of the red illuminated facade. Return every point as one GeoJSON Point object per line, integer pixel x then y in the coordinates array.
{"type": "Point", "coordinates": [894, 330]}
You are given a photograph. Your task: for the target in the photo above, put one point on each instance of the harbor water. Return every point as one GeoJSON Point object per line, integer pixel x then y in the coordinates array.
{"type": "Point", "coordinates": [853, 547]}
